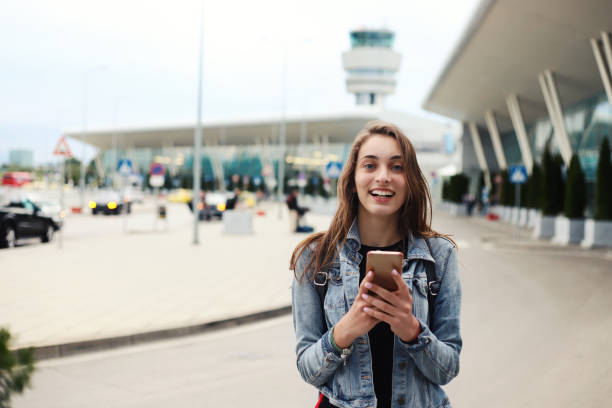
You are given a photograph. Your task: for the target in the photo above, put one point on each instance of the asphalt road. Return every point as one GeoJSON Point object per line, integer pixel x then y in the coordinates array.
{"type": "Point", "coordinates": [250, 366]}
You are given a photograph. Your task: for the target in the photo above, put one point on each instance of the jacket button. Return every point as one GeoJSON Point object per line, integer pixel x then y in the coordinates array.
{"type": "Point", "coordinates": [401, 401]}
{"type": "Point", "coordinates": [402, 365]}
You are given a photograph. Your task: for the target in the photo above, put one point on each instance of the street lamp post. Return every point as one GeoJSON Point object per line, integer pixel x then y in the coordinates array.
{"type": "Point", "coordinates": [198, 137]}
{"type": "Point", "coordinates": [282, 133]}
{"type": "Point", "coordinates": [85, 95]}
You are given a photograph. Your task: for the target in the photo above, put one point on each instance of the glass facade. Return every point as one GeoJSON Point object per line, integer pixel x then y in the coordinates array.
{"type": "Point", "coordinates": [372, 39]}
{"type": "Point", "coordinates": [586, 123]}
{"type": "Point", "coordinates": [371, 71]}
{"type": "Point", "coordinates": [512, 151]}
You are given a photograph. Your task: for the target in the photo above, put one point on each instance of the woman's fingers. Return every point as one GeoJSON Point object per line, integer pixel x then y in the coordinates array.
{"type": "Point", "coordinates": [383, 293]}
{"type": "Point", "coordinates": [378, 303]}
{"type": "Point", "coordinates": [403, 288]}
{"type": "Point", "coordinates": [378, 314]}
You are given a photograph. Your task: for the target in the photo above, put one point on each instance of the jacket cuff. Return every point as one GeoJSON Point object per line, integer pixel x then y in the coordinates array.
{"type": "Point", "coordinates": [422, 340]}
{"type": "Point", "coordinates": [329, 349]}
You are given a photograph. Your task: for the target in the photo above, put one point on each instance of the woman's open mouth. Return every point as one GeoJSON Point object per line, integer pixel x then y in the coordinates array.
{"type": "Point", "coordinates": [382, 195]}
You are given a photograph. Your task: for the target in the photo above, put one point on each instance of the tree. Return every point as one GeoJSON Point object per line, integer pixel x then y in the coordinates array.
{"type": "Point", "coordinates": [603, 183]}
{"type": "Point", "coordinates": [551, 184]}
{"type": "Point", "coordinates": [73, 170]}
{"type": "Point", "coordinates": [507, 190]}
{"type": "Point", "coordinates": [533, 185]}
{"type": "Point", "coordinates": [15, 369]}
{"type": "Point", "coordinates": [575, 190]}
{"type": "Point", "coordinates": [481, 184]}
{"type": "Point", "coordinates": [458, 186]}
{"type": "Point", "coordinates": [446, 190]}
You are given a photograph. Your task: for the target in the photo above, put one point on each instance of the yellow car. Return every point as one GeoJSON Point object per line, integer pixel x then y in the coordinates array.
{"type": "Point", "coordinates": [180, 196]}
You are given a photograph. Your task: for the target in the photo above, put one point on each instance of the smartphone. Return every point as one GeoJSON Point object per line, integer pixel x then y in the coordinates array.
{"type": "Point", "coordinates": [382, 263]}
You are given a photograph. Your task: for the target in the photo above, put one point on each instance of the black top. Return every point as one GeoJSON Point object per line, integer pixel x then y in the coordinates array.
{"type": "Point", "coordinates": [381, 343]}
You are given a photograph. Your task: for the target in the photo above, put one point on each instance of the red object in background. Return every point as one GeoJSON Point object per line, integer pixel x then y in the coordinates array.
{"type": "Point", "coordinates": [492, 217]}
{"type": "Point", "coordinates": [261, 212]}
{"type": "Point", "coordinates": [16, 178]}
{"type": "Point", "coordinates": [76, 210]}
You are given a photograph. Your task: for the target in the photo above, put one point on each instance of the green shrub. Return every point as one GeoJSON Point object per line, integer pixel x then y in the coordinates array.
{"type": "Point", "coordinates": [603, 183]}
{"type": "Point", "coordinates": [507, 190]}
{"type": "Point", "coordinates": [459, 184]}
{"type": "Point", "coordinates": [551, 184]}
{"type": "Point", "coordinates": [15, 369]}
{"type": "Point", "coordinates": [533, 184]}
{"type": "Point", "coordinates": [575, 190]}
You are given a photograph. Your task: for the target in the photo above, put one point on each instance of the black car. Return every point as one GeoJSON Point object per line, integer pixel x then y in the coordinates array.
{"type": "Point", "coordinates": [24, 219]}
{"type": "Point", "coordinates": [110, 203]}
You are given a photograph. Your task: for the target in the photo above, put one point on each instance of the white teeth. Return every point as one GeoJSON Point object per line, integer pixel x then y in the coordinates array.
{"type": "Point", "coordinates": [382, 193]}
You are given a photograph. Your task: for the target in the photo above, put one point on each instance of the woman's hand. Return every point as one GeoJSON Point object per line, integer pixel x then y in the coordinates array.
{"type": "Point", "coordinates": [394, 308]}
{"type": "Point", "coordinates": [356, 322]}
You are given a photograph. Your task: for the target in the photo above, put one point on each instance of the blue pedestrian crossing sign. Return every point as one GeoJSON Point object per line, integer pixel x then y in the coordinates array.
{"type": "Point", "coordinates": [124, 167]}
{"type": "Point", "coordinates": [518, 174]}
{"type": "Point", "coordinates": [333, 169]}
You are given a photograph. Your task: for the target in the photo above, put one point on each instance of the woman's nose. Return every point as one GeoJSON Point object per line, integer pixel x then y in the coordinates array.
{"type": "Point", "coordinates": [382, 175]}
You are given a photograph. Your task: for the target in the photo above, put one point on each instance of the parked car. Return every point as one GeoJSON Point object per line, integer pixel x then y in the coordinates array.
{"type": "Point", "coordinates": [16, 178]}
{"type": "Point", "coordinates": [109, 203]}
{"type": "Point", "coordinates": [180, 195]}
{"type": "Point", "coordinates": [24, 219]}
{"type": "Point", "coordinates": [212, 207]}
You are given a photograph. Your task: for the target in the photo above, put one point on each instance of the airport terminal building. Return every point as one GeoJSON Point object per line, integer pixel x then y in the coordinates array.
{"type": "Point", "coordinates": [525, 74]}
{"type": "Point", "coordinates": [255, 148]}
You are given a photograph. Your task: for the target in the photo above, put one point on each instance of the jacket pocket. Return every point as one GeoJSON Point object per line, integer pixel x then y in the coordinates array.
{"type": "Point", "coordinates": [335, 303]}
{"type": "Point", "coordinates": [420, 306]}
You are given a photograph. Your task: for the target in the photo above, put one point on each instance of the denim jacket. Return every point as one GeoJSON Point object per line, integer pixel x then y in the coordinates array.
{"type": "Point", "coordinates": [419, 368]}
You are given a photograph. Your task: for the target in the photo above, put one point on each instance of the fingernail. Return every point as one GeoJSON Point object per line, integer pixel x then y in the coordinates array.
{"type": "Point", "coordinates": [366, 309]}
{"type": "Point", "coordinates": [370, 273]}
{"type": "Point", "coordinates": [394, 272]}
{"type": "Point", "coordinates": [363, 295]}
{"type": "Point", "coordinates": [368, 285]}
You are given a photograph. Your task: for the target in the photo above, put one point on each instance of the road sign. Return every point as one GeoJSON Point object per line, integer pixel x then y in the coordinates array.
{"type": "Point", "coordinates": [518, 174]}
{"type": "Point", "coordinates": [124, 167]}
{"type": "Point", "coordinates": [156, 180]}
{"type": "Point", "coordinates": [157, 169]}
{"type": "Point", "coordinates": [62, 149]}
{"type": "Point", "coordinates": [333, 169]}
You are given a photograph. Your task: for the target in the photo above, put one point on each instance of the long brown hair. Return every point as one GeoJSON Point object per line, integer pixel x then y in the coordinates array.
{"type": "Point", "coordinates": [415, 213]}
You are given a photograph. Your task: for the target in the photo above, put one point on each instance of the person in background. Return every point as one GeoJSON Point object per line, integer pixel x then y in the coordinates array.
{"type": "Point", "coordinates": [292, 203]}
{"type": "Point", "coordinates": [230, 203]}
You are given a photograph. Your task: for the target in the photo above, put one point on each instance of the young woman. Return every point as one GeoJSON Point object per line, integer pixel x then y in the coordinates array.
{"type": "Point", "coordinates": [359, 344]}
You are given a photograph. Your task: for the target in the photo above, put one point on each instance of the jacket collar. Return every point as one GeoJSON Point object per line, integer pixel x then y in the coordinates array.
{"type": "Point", "coordinates": [417, 247]}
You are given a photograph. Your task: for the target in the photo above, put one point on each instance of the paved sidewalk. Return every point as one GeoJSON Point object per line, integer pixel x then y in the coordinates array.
{"type": "Point", "coordinates": [105, 283]}
{"type": "Point", "coordinates": [109, 284]}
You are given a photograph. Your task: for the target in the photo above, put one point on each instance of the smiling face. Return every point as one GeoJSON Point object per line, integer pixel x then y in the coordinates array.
{"type": "Point", "coordinates": [380, 178]}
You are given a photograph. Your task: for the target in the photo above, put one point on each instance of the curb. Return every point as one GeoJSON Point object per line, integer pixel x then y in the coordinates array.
{"type": "Point", "coordinates": [86, 346]}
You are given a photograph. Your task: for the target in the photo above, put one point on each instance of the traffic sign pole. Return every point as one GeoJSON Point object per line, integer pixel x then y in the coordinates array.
{"type": "Point", "coordinates": [518, 176]}
{"type": "Point", "coordinates": [61, 187]}
{"type": "Point", "coordinates": [517, 195]}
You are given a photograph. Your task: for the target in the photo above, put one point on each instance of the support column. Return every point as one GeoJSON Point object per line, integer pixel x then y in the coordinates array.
{"type": "Point", "coordinates": [519, 128]}
{"type": "Point", "coordinates": [217, 160]}
{"type": "Point", "coordinates": [301, 154]}
{"type": "Point", "coordinates": [553, 105]}
{"type": "Point", "coordinates": [497, 145]}
{"type": "Point", "coordinates": [604, 61]}
{"type": "Point", "coordinates": [482, 162]}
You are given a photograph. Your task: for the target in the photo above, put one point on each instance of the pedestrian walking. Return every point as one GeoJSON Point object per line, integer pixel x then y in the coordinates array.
{"type": "Point", "coordinates": [360, 344]}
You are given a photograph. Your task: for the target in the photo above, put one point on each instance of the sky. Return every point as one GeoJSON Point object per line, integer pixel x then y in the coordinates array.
{"type": "Point", "coordinates": [73, 65]}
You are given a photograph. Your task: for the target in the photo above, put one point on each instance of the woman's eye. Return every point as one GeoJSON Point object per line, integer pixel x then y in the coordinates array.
{"type": "Point", "coordinates": [396, 167]}
{"type": "Point", "coordinates": [369, 166]}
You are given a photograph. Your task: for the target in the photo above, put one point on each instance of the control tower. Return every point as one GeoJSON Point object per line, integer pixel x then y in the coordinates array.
{"type": "Point", "coordinates": [371, 65]}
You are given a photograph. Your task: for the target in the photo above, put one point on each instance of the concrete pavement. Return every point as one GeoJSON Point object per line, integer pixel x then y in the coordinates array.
{"type": "Point", "coordinates": [536, 326]}
{"type": "Point", "coordinates": [118, 277]}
